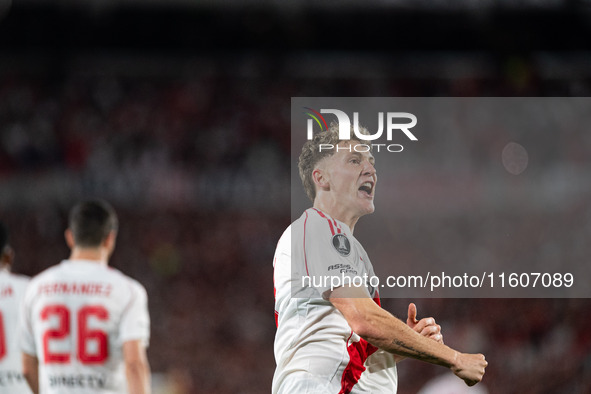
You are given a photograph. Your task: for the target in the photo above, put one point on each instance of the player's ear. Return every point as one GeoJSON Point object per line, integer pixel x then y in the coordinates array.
{"type": "Point", "coordinates": [69, 238]}
{"type": "Point", "coordinates": [7, 255]}
{"type": "Point", "coordinates": [320, 178]}
{"type": "Point", "coordinates": [109, 241]}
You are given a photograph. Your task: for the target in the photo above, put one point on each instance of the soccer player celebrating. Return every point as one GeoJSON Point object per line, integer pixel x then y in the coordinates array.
{"type": "Point", "coordinates": [337, 339]}
{"type": "Point", "coordinates": [12, 291]}
{"type": "Point", "coordinates": [85, 326]}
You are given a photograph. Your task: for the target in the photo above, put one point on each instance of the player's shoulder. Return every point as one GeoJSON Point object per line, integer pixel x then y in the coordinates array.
{"type": "Point", "coordinates": [317, 223]}
{"type": "Point", "coordinates": [46, 273]}
{"type": "Point", "coordinates": [313, 225]}
{"type": "Point", "coordinates": [19, 278]}
{"type": "Point", "coordinates": [68, 268]}
{"type": "Point", "coordinates": [122, 284]}
{"type": "Point", "coordinates": [311, 222]}
{"type": "Point", "coordinates": [14, 280]}
{"type": "Point", "coordinates": [5, 274]}
{"type": "Point", "coordinates": [286, 236]}
{"type": "Point", "coordinates": [309, 216]}
{"type": "Point", "coordinates": [134, 284]}
{"type": "Point", "coordinates": [37, 280]}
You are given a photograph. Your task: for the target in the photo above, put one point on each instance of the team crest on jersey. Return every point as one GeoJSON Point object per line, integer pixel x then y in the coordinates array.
{"type": "Point", "coordinates": [341, 244]}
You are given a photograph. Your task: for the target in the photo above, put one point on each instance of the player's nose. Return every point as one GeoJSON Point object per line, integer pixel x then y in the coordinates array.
{"type": "Point", "coordinates": [368, 168]}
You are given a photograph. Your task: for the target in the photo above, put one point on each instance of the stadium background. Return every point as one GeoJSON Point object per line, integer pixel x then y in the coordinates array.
{"type": "Point", "coordinates": [178, 113]}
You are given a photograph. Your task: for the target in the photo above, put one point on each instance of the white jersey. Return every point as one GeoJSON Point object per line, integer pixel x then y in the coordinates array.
{"type": "Point", "coordinates": [315, 349]}
{"type": "Point", "coordinates": [76, 317]}
{"type": "Point", "coordinates": [12, 291]}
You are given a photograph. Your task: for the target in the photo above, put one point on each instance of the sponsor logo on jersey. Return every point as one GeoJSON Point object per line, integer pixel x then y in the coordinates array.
{"type": "Point", "coordinates": [343, 268]}
{"type": "Point", "coordinates": [8, 378]}
{"type": "Point", "coordinates": [78, 381]}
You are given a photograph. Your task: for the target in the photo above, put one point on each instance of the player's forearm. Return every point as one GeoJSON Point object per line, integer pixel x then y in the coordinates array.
{"type": "Point", "coordinates": [386, 332]}
{"type": "Point", "coordinates": [138, 377]}
{"type": "Point", "coordinates": [383, 330]}
{"type": "Point", "coordinates": [31, 372]}
{"type": "Point", "coordinates": [137, 367]}
{"type": "Point", "coordinates": [33, 382]}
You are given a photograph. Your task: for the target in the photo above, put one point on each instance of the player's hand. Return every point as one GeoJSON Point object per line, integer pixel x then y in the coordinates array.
{"type": "Point", "coordinates": [469, 367]}
{"type": "Point", "coordinates": [427, 326]}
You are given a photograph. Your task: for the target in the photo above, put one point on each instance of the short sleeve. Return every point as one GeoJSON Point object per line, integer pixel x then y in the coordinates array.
{"type": "Point", "coordinates": [135, 319]}
{"type": "Point", "coordinates": [330, 258]}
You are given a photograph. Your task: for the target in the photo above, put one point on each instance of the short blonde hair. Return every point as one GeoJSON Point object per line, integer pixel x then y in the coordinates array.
{"type": "Point", "coordinates": [311, 154]}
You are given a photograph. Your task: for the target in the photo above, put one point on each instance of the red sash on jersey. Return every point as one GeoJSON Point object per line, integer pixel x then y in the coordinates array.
{"type": "Point", "coordinates": [275, 294]}
{"type": "Point", "coordinates": [358, 353]}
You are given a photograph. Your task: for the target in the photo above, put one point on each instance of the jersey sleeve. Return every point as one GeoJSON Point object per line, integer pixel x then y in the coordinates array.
{"type": "Point", "coordinates": [135, 320]}
{"type": "Point", "coordinates": [330, 259]}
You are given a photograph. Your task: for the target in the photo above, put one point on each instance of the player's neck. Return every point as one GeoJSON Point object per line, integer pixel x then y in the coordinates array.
{"type": "Point", "coordinates": [336, 211]}
{"type": "Point", "coordinates": [99, 255]}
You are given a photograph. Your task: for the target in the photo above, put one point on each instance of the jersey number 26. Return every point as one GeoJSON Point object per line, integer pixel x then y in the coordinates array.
{"type": "Point", "coordinates": [85, 335]}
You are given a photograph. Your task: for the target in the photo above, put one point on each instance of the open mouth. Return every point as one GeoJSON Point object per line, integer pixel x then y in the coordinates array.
{"type": "Point", "coordinates": [366, 188]}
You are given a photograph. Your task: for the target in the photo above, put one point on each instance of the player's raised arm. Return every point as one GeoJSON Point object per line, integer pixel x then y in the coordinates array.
{"type": "Point", "coordinates": [383, 330]}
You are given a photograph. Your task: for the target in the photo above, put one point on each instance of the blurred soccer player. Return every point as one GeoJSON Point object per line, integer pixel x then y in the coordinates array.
{"type": "Point", "coordinates": [12, 291]}
{"type": "Point", "coordinates": [340, 340]}
{"type": "Point", "coordinates": [85, 326]}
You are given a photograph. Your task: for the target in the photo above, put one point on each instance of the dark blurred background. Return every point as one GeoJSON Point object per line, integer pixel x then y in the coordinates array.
{"type": "Point", "coordinates": [177, 112]}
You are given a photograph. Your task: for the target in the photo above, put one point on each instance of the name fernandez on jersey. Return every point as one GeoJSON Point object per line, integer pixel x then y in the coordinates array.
{"type": "Point", "coordinates": [89, 288]}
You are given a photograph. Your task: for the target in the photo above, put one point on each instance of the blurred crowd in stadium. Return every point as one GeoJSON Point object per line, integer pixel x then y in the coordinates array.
{"type": "Point", "coordinates": [200, 178]}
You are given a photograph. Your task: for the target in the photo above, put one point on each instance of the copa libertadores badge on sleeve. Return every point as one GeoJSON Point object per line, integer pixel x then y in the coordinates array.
{"type": "Point", "coordinates": [341, 244]}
